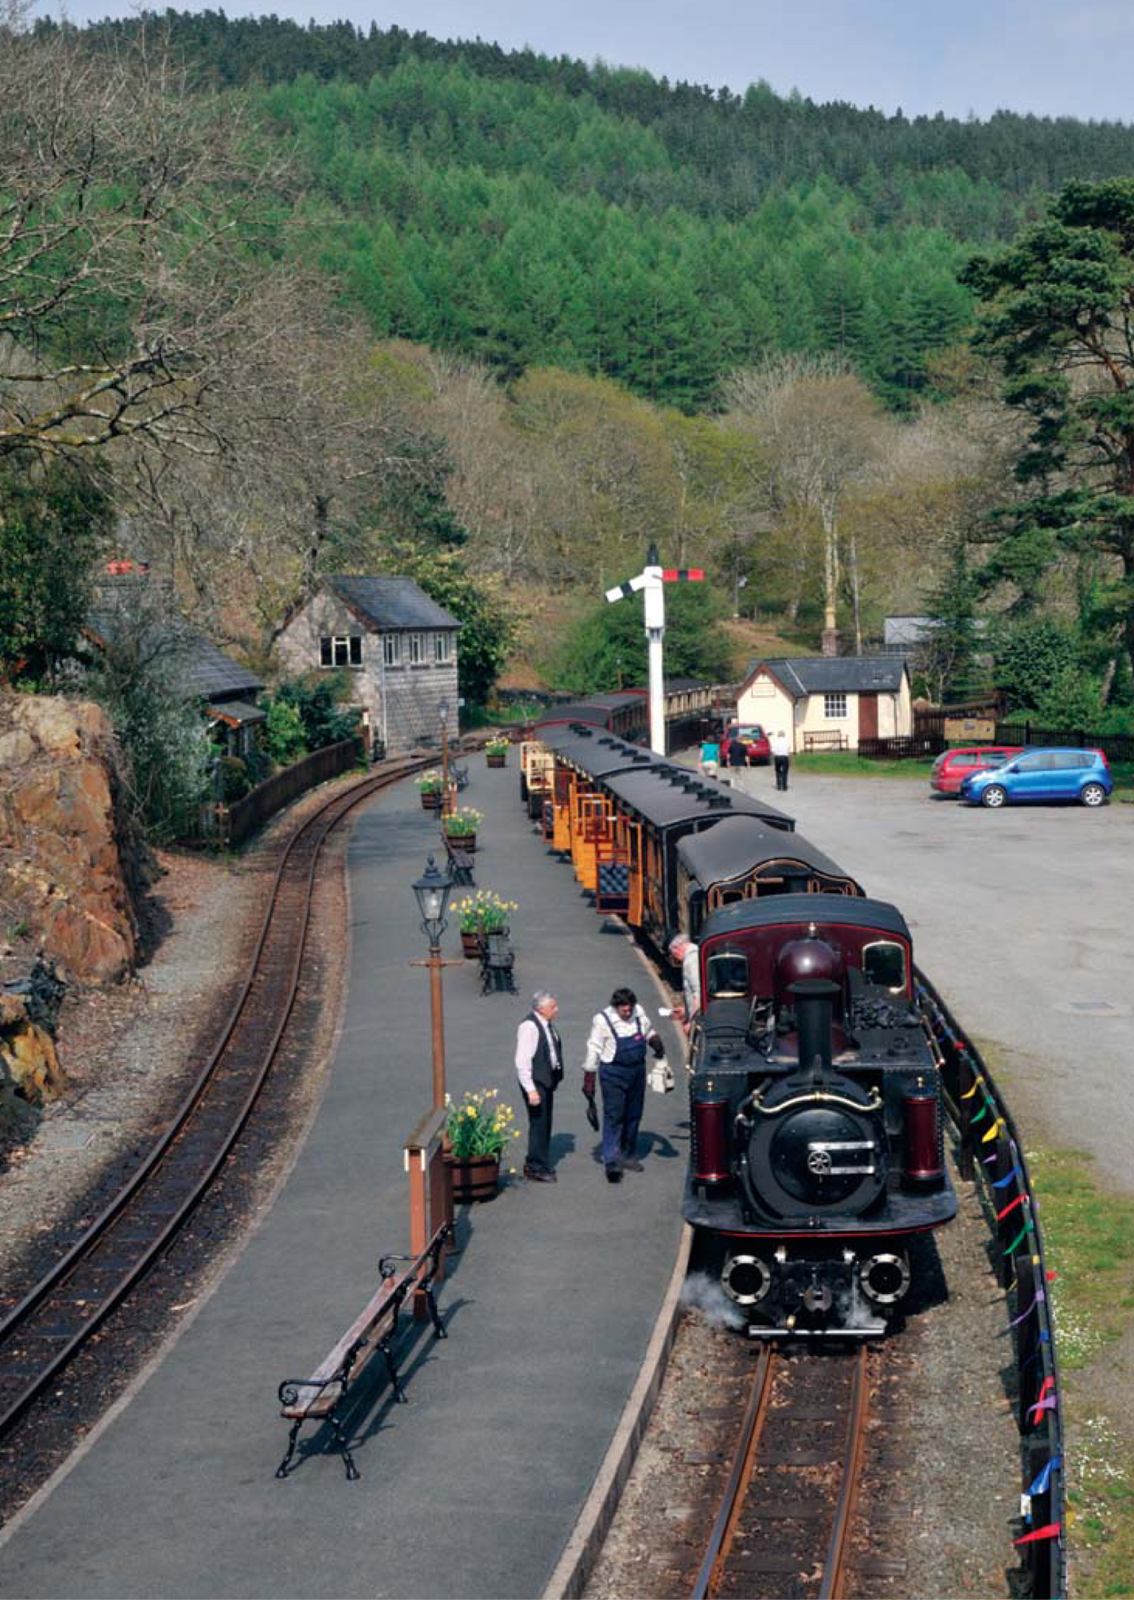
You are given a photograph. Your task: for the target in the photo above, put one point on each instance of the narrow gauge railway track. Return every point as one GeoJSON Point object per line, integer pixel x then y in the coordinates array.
{"type": "Point", "coordinates": [58, 1315]}
{"type": "Point", "coordinates": [789, 1502]}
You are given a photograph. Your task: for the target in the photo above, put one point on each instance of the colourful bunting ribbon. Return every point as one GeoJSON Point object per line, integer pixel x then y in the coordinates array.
{"type": "Point", "coordinates": [1011, 1206]}
{"type": "Point", "coordinates": [1051, 1531]}
{"type": "Point", "coordinates": [1043, 1478]}
{"type": "Point", "coordinates": [1000, 1182]}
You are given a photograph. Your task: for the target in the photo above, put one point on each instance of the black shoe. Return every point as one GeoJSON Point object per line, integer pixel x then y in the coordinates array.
{"type": "Point", "coordinates": [613, 1174]}
{"type": "Point", "coordinates": [629, 1164]}
{"type": "Point", "coordinates": [540, 1175]}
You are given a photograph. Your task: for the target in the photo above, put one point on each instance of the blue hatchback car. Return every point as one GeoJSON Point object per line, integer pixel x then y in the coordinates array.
{"type": "Point", "coordinates": [1081, 775]}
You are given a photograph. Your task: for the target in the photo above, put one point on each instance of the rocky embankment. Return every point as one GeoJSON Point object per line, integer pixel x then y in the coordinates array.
{"type": "Point", "coordinates": [69, 867]}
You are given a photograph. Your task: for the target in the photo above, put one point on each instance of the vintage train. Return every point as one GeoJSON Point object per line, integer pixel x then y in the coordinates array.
{"type": "Point", "coordinates": [816, 1121]}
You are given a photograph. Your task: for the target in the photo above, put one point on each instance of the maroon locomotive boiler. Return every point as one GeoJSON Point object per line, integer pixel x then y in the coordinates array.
{"type": "Point", "coordinates": [816, 1113]}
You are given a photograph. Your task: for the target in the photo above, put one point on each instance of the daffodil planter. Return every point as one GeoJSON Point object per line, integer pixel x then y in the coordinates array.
{"type": "Point", "coordinates": [476, 1178]}
{"type": "Point", "coordinates": [495, 760]}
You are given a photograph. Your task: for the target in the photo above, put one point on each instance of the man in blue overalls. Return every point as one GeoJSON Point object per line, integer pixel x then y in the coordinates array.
{"type": "Point", "coordinates": [616, 1051]}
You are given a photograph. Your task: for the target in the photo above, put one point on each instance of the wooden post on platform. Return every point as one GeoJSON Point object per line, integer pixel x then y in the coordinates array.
{"type": "Point", "coordinates": [431, 1191]}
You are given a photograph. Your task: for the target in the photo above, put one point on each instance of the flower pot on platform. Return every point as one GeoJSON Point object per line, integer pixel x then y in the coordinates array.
{"type": "Point", "coordinates": [470, 945]}
{"type": "Point", "coordinates": [430, 799]}
{"type": "Point", "coordinates": [475, 1178]}
{"type": "Point", "coordinates": [462, 841]}
{"type": "Point", "coordinates": [495, 761]}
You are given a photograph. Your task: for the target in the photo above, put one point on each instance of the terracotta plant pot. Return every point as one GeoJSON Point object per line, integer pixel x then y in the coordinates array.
{"type": "Point", "coordinates": [496, 761]}
{"type": "Point", "coordinates": [470, 946]}
{"type": "Point", "coordinates": [475, 1179]}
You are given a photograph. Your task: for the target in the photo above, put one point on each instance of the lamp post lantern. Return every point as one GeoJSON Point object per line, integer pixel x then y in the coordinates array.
{"type": "Point", "coordinates": [432, 890]}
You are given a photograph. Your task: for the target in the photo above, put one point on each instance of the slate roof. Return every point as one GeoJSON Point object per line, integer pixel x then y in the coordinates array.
{"type": "Point", "coordinates": [801, 675]}
{"type": "Point", "coordinates": [390, 602]}
{"type": "Point", "coordinates": [201, 669]}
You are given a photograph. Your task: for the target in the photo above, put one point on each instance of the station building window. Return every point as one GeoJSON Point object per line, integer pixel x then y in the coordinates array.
{"type": "Point", "coordinates": [834, 706]}
{"type": "Point", "coordinates": [442, 647]}
{"type": "Point", "coordinates": [416, 644]}
{"type": "Point", "coordinates": [392, 649]}
{"type": "Point", "coordinates": [341, 650]}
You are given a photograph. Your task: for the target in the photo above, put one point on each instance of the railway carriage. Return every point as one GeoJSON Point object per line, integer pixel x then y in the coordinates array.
{"type": "Point", "coordinates": [816, 1110]}
{"type": "Point", "coordinates": [742, 858]}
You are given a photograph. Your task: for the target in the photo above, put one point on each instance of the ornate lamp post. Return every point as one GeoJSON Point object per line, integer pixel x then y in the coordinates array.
{"type": "Point", "coordinates": [432, 890]}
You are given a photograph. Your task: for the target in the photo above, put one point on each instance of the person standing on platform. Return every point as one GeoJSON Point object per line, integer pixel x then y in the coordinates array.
{"type": "Point", "coordinates": [685, 954]}
{"type": "Point", "coordinates": [539, 1067]}
{"type": "Point", "coordinates": [616, 1053]}
{"type": "Point", "coordinates": [710, 756]}
{"type": "Point", "coordinates": [781, 755]}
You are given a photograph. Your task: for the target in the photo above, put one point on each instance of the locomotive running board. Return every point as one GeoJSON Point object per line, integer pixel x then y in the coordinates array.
{"type": "Point", "coordinates": [760, 1330]}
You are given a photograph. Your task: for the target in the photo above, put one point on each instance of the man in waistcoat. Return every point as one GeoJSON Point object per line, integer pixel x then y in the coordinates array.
{"type": "Point", "coordinates": [539, 1067]}
{"type": "Point", "coordinates": [616, 1051]}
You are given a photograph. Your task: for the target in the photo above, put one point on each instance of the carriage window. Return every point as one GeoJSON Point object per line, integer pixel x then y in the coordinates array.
{"type": "Point", "coordinates": [885, 964]}
{"type": "Point", "coordinates": [728, 976]}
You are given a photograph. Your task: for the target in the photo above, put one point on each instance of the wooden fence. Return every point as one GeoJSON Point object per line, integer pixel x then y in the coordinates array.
{"type": "Point", "coordinates": [236, 821]}
{"type": "Point", "coordinates": [924, 745]}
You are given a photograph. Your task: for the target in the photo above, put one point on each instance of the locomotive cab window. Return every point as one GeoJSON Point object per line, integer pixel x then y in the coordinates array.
{"type": "Point", "coordinates": [885, 965]}
{"type": "Point", "coordinates": [728, 976]}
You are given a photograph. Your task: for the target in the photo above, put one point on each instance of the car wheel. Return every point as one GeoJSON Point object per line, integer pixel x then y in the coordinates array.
{"type": "Point", "coordinates": [1093, 794]}
{"type": "Point", "coordinates": [994, 796]}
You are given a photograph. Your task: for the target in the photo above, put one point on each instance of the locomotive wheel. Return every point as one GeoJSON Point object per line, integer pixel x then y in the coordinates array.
{"type": "Point", "coordinates": [1093, 794]}
{"type": "Point", "coordinates": [994, 796]}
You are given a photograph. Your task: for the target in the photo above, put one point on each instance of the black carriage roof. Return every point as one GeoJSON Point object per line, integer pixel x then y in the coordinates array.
{"type": "Point", "coordinates": [737, 844]}
{"type": "Point", "coordinates": [598, 753]}
{"type": "Point", "coordinates": [597, 709]}
{"type": "Point", "coordinates": [664, 794]}
{"type": "Point", "coordinates": [833, 909]}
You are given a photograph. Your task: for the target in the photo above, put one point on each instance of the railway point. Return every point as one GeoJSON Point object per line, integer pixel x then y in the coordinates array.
{"type": "Point", "coordinates": [475, 1486]}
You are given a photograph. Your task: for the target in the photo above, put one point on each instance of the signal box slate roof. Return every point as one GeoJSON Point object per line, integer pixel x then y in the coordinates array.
{"type": "Point", "coordinates": [200, 668]}
{"type": "Point", "coordinates": [651, 794]}
{"type": "Point", "coordinates": [804, 675]}
{"type": "Point", "coordinates": [390, 602]}
{"type": "Point", "coordinates": [737, 844]}
{"type": "Point", "coordinates": [834, 909]}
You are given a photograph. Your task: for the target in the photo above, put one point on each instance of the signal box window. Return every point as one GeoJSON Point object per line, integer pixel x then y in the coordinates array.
{"type": "Point", "coordinates": [728, 976]}
{"type": "Point", "coordinates": [885, 965]}
{"type": "Point", "coordinates": [442, 647]}
{"type": "Point", "coordinates": [341, 651]}
{"type": "Point", "coordinates": [417, 654]}
{"type": "Point", "coordinates": [392, 649]}
{"type": "Point", "coordinates": [834, 706]}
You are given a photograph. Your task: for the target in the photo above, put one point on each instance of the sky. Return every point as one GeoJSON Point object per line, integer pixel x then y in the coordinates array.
{"type": "Point", "coordinates": [962, 57]}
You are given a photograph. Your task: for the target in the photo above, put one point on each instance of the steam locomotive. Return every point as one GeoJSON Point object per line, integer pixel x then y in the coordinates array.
{"type": "Point", "coordinates": [817, 1150]}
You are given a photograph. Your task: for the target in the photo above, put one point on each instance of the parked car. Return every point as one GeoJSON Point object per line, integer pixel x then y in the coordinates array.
{"type": "Point", "coordinates": [754, 740]}
{"type": "Point", "coordinates": [951, 768]}
{"type": "Point", "coordinates": [1082, 775]}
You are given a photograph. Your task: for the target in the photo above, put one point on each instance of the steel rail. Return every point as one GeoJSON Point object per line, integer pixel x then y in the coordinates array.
{"type": "Point", "coordinates": [724, 1526]}
{"type": "Point", "coordinates": [307, 841]}
{"type": "Point", "coordinates": [831, 1587]}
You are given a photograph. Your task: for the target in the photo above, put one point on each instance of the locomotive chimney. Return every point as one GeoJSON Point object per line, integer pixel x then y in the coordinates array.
{"type": "Point", "coordinates": [814, 1000]}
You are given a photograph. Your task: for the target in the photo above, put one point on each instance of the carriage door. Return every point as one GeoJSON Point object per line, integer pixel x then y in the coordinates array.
{"type": "Point", "coordinates": [561, 832]}
{"type": "Point", "coordinates": [594, 834]}
{"type": "Point", "coordinates": [612, 892]}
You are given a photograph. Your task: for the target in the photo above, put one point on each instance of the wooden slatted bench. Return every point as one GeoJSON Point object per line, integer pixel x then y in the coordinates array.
{"type": "Point", "coordinates": [497, 960]}
{"type": "Point", "coordinates": [323, 1396]}
{"type": "Point", "coordinates": [831, 740]}
{"type": "Point", "coordinates": [460, 862]}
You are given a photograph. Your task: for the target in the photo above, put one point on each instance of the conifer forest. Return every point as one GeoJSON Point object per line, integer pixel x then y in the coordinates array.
{"type": "Point", "coordinates": [283, 300]}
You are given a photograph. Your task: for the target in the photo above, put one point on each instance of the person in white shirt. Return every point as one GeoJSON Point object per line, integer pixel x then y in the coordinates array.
{"type": "Point", "coordinates": [781, 756]}
{"type": "Point", "coordinates": [616, 1053]}
{"type": "Point", "coordinates": [684, 952]}
{"type": "Point", "coordinates": [539, 1067]}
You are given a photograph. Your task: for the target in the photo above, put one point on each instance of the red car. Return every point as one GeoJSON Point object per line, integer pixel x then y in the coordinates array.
{"type": "Point", "coordinates": [753, 738]}
{"type": "Point", "coordinates": [951, 768]}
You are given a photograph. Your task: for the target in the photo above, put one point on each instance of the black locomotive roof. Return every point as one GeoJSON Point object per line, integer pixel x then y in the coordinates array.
{"type": "Point", "coordinates": [602, 753]}
{"type": "Point", "coordinates": [737, 844]}
{"type": "Point", "coordinates": [665, 794]}
{"type": "Point", "coordinates": [830, 908]}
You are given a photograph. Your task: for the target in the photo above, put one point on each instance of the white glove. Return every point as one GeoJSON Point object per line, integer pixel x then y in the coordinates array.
{"type": "Point", "coordinates": [660, 1076]}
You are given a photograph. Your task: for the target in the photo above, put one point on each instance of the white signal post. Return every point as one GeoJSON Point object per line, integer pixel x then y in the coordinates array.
{"type": "Point", "coordinates": [652, 580]}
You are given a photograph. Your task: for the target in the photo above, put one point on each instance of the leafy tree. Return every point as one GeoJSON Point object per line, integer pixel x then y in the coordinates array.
{"type": "Point", "coordinates": [1031, 657]}
{"type": "Point", "coordinates": [283, 731]}
{"type": "Point", "coordinates": [318, 714]}
{"type": "Point", "coordinates": [607, 649]}
{"type": "Point", "coordinates": [945, 659]}
{"type": "Point", "coordinates": [54, 520]}
{"type": "Point", "coordinates": [1058, 311]}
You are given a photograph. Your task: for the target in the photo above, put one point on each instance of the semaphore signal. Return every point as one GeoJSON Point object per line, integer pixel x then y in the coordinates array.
{"type": "Point", "coordinates": [652, 580]}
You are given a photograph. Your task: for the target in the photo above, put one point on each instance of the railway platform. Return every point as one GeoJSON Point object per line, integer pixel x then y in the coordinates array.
{"type": "Point", "coordinates": [474, 1487]}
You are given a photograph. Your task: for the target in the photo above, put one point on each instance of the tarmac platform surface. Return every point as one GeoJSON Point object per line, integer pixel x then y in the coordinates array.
{"type": "Point", "coordinates": [474, 1486]}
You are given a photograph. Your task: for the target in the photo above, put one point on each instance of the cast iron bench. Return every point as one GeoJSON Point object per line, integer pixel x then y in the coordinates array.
{"type": "Point", "coordinates": [497, 959]}
{"type": "Point", "coordinates": [374, 1330]}
{"type": "Point", "coordinates": [460, 862]}
{"type": "Point", "coordinates": [833, 740]}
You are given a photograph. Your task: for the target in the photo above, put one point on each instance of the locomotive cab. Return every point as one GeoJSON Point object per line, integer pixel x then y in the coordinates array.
{"type": "Point", "coordinates": [816, 1112]}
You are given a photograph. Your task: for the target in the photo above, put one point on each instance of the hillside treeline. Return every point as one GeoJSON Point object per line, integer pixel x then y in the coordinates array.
{"type": "Point", "coordinates": [534, 212]}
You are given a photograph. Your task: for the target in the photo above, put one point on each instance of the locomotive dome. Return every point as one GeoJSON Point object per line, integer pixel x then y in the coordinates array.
{"type": "Point", "coordinates": [807, 958]}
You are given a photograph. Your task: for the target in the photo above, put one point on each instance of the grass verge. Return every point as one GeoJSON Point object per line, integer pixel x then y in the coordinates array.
{"type": "Point", "coordinates": [1089, 1242]}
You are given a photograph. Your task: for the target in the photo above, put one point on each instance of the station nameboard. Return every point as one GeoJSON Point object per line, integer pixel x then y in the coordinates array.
{"type": "Point", "coordinates": [977, 728]}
